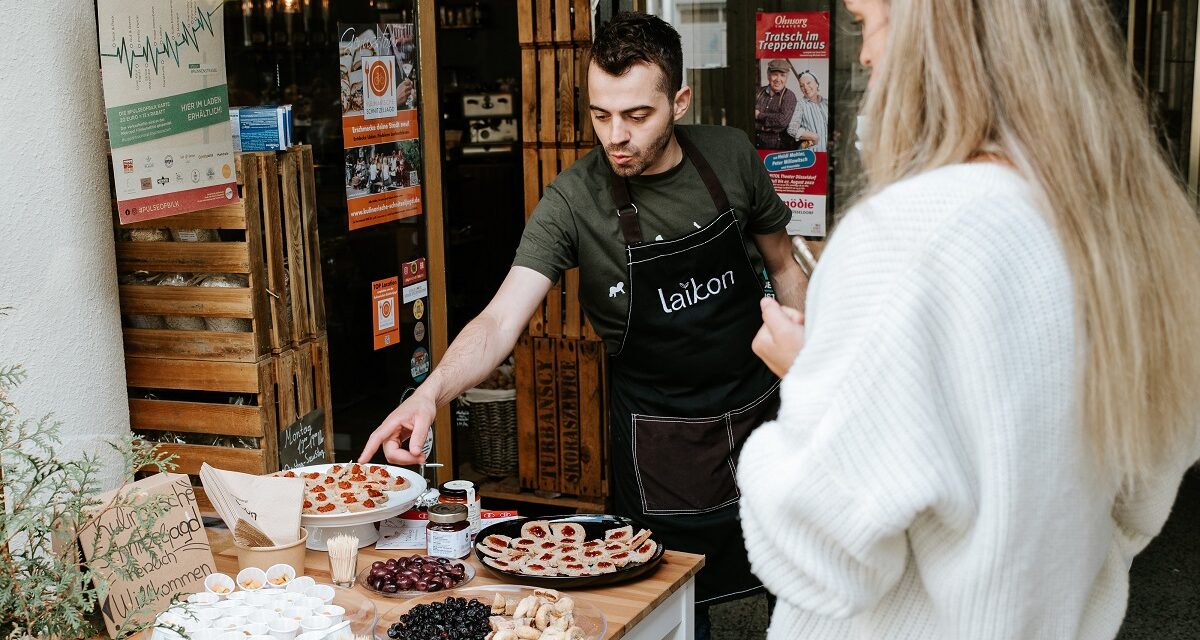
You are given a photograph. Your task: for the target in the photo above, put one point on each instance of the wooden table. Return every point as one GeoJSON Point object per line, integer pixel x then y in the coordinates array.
{"type": "Point", "coordinates": [657, 606]}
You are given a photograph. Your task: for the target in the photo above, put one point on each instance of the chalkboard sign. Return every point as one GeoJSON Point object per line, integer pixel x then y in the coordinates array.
{"type": "Point", "coordinates": [303, 443]}
{"type": "Point", "coordinates": [462, 415]}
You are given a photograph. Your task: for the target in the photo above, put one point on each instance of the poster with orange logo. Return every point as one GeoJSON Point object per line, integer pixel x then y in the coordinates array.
{"type": "Point", "coordinates": [383, 309]}
{"type": "Point", "coordinates": [167, 105]}
{"type": "Point", "coordinates": [379, 123]}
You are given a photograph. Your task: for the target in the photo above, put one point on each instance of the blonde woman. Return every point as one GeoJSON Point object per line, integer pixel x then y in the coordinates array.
{"type": "Point", "coordinates": [995, 394]}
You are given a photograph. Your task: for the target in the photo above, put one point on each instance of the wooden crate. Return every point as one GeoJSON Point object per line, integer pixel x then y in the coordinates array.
{"type": "Point", "coordinates": [561, 416]}
{"type": "Point", "coordinates": [283, 387]}
{"type": "Point", "coordinates": [277, 250]}
{"type": "Point", "coordinates": [181, 381]}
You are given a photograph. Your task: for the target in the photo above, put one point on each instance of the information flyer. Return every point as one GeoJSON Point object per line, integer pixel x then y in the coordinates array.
{"type": "Point", "coordinates": [379, 123]}
{"type": "Point", "coordinates": [163, 64]}
{"type": "Point", "coordinates": [791, 112]}
{"type": "Point", "coordinates": [384, 309]}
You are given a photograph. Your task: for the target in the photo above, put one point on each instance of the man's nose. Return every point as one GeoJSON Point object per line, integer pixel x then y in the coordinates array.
{"type": "Point", "coordinates": [620, 132]}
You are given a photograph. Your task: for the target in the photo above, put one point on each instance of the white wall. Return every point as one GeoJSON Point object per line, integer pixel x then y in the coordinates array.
{"type": "Point", "coordinates": [56, 240]}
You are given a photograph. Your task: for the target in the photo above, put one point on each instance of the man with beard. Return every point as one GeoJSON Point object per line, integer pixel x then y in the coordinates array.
{"type": "Point", "coordinates": [773, 107]}
{"type": "Point", "coordinates": [671, 228]}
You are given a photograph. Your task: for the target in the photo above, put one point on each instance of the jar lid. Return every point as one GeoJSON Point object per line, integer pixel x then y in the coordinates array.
{"type": "Point", "coordinates": [457, 488]}
{"type": "Point", "coordinates": [447, 513]}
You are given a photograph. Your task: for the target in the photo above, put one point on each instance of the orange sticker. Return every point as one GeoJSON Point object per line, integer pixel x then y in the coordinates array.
{"type": "Point", "coordinates": [383, 310]}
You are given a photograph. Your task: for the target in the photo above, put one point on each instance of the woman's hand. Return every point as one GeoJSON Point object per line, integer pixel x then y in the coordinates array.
{"type": "Point", "coordinates": [781, 337]}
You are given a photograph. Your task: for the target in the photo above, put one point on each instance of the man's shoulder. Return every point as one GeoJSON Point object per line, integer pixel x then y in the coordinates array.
{"type": "Point", "coordinates": [585, 173]}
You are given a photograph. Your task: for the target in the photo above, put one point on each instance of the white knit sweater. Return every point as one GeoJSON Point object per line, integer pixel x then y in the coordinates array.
{"type": "Point", "coordinates": [927, 476]}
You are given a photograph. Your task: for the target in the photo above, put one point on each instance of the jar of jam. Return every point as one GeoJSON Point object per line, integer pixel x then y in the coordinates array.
{"type": "Point", "coordinates": [463, 492]}
{"type": "Point", "coordinates": [448, 535]}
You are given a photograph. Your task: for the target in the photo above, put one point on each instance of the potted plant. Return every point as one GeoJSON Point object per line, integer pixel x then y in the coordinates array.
{"type": "Point", "coordinates": [48, 500]}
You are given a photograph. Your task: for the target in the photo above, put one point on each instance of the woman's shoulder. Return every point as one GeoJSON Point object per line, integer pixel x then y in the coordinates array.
{"type": "Point", "coordinates": [983, 210]}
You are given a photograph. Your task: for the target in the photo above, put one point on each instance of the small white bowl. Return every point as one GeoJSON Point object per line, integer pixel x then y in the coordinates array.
{"type": "Point", "coordinates": [239, 612]}
{"type": "Point", "coordinates": [331, 611]}
{"type": "Point", "coordinates": [280, 575]}
{"type": "Point", "coordinates": [238, 596]}
{"type": "Point", "coordinates": [229, 623]}
{"type": "Point", "coordinates": [206, 617]}
{"type": "Point", "coordinates": [204, 598]}
{"type": "Point", "coordinates": [261, 637]}
{"type": "Point", "coordinates": [255, 629]}
{"type": "Point", "coordinates": [293, 596]}
{"type": "Point", "coordinates": [226, 605]}
{"type": "Point", "coordinates": [251, 579]}
{"type": "Point", "coordinates": [300, 585]}
{"type": "Point", "coordinates": [310, 601]}
{"type": "Point", "coordinates": [258, 600]}
{"type": "Point", "coordinates": [265, 616]}
{"type": "Point", "coordinates": [284, 628]}
{"type": "Point", "coordinates": [272, 591]}
{"type": "Point", "coordinates": [220, 584]}
{"type": "Point", "coordinates": [322, 591]}
{"type": "Point", "coordinates": [312, 635]}
{"type": "Point", "coordinates": [297, 613]}
{"type": "Point", "coordinates": [205, 634]}
{"type": "Point", "coordinates": [315, 623]}
{"type": "Point", "coordinates": [232, 635]}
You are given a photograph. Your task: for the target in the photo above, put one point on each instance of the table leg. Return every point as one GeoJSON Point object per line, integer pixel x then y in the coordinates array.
{"type": "Point", "coordinates": [674, 619]}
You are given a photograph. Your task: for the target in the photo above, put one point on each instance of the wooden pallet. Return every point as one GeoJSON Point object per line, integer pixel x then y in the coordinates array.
{"type": "Point", "coordinates": [555, 39]}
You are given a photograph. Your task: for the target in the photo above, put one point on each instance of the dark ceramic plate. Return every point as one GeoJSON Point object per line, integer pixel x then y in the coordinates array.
{"type": "Point", "coordinates": [594, 525]}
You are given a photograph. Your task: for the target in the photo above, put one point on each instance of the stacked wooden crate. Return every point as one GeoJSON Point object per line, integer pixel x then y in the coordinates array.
{"type": "Point", "coordinates": [560, 365]}
{"type": "Point", "coordinates": [186, 381]}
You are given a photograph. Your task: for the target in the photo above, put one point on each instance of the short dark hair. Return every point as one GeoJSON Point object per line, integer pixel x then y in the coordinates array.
{"type": "Point", "coordinates": [631, 38]}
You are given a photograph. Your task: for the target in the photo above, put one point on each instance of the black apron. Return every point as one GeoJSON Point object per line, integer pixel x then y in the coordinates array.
{"type": "Point", "coordinates": [685, 388]}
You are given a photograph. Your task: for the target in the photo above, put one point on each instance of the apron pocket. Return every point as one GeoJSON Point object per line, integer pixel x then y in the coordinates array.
{"type": "Point", "coordinates": [683, 465]}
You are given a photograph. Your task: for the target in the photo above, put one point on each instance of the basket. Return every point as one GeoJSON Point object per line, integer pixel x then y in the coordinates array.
{"type": "Point", "coordinates": [493, 432]}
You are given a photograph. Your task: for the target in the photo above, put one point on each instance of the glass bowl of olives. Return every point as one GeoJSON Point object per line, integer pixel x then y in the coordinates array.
{"type": "Point", "coordinates": [414, 575]}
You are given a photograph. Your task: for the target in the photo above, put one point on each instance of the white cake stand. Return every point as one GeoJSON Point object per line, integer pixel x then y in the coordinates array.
{"type": "Point", "coordinates": [361, 524]}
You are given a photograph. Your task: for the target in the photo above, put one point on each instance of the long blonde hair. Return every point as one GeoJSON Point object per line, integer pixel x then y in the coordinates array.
{"type": "Point", "coordinates": [1043, 85]}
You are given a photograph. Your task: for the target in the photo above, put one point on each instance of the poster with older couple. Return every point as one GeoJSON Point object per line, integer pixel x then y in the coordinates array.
{"type": "Point", "coordinates": [791, 112]}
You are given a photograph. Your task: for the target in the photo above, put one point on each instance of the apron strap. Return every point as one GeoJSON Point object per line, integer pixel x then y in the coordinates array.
{"type": "Point", "coordinates": [627, 213]}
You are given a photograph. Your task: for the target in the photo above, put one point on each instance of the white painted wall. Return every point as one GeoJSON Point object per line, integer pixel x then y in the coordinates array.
{"type": "Point", "coordinates": [58, 264]}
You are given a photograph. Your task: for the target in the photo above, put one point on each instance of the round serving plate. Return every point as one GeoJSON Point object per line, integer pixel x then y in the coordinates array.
{"type": "Point", "coordinates": [468, 575]}
{"type": "Point", "coordinates": [594, 525]}
{"type": "Point", "coordinates": [587, 615]}
{"type": "Point", "coordinates": [362, 524]}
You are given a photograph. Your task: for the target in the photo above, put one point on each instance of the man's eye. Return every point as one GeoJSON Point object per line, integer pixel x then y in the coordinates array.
{"type": "Point", "coordinates": [637, 118]}
{"type": "Point", "coordinates": [602, 117]}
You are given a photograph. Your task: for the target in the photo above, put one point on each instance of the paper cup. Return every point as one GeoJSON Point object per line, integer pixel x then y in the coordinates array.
{"type": "Point", "coordinates": [315, 623]}
{"type": "Point", "coordinates": [251, 579]}
{"type": "Point", "coordinates": [284, 628]}
{"type": "Point", "coordinates": [204, 598]}
{"type": "Point", "coordinates": [255, 629]}
{"type": "Point", "coordinates": [310, 602]}
{"type": "Point", "coordinates": [220, 584]}
{"type": "Point", "coordinates": [280, 575]}
{"type": "Point", "coordinates": [332, 611]}
{"type": "Point", "coordinates": [297, 613]}
{"type": "Point", "coordinates": [290, 554]}
{"type": "Point", "coordinates": [229, 623]}
{"type": "Point", "coordinates": [300, 585]}
{"type": "Point", "coordinates": [265, 616]}
{"type": "Point", "coordinates": [322, 591]}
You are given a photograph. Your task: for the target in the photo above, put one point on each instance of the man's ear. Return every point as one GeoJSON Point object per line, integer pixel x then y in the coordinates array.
{"type": "Point", "coordinates": [683, 101]}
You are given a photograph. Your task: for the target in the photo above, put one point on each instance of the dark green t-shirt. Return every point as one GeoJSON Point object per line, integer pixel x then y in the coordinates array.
{"type": "Point", "coordinates": [575, 222]}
